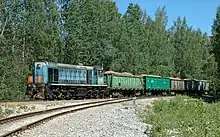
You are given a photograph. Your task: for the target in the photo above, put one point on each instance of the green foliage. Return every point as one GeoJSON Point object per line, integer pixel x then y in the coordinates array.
{"type": "Point", "coordinates": [90, 26]}
{"type": "Point", "coordinates": [183, 116]}
{"type": "Point", "coordinates": [161, 49]}
{"type": "Point", "coordinates": [29, 32]}
{"type": "Point", "coordinates": [215, 39]}
{"type": "Point", "coordinates": [192, 51]}
{"type": "Point", "coordinates": [215, 43]}
{"type": "Point", "coordinates": [129, 45]}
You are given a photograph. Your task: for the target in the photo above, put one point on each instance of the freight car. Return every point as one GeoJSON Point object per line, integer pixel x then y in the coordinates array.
{"type": "Point", "coordinates": [124, 84]}
{"type": "Point", "coordinates": [155, 85]}
{"type": "Point", "coordinates": [202, 86]}
{"type": "Point", "coordinates": [177, 86]}
{"type": "Point", "coordinates": [63, 81]}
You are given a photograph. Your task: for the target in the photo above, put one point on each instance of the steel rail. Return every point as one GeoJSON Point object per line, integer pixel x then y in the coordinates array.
{"type": "Point", "coordinates": [20, 116]}
{"type": "Point", "coordinates": [82, 107]}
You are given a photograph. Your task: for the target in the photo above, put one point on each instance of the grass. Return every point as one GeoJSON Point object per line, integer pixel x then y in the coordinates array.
{"type": "Point", "coordinates": [14, 108]}
{"type": "Point", "coordinates": [5, 111]}
{"type": "Point", "coordinates": [182, 117]}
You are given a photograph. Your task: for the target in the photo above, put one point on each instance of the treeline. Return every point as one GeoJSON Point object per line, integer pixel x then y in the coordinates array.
{"type": "Point", "coordinates": [93, 32]}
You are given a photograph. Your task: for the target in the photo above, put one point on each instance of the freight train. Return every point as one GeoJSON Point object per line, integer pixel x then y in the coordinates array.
{"type": "Point", "coordinates": [52, 80]}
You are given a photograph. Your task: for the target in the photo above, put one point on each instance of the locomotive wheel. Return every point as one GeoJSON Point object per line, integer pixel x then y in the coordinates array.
{"type": "Point", "coordinates": [60, 96]}
{"type": "Point", "coordinates": [68, 96]}
{"type": "Point", "coordinates": [96, 96]}
{"type": "Point", "coordinates": [102, 95]}
{"type": "Point", "coordinates": [88, 96]}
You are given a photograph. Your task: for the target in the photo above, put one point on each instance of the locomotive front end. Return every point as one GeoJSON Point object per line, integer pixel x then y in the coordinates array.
{"type": "Point", "coordinates": [36, 82]}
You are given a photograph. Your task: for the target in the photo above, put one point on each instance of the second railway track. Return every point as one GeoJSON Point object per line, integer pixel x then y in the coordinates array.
{"type": "Point", "coordinates": [14, 125]}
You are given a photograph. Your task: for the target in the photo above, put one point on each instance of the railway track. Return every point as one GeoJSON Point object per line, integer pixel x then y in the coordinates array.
{"type": "Point", "coordinates": [14, 125]}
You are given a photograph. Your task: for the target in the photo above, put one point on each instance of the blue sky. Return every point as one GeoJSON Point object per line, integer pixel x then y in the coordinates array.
{"type": "Point", "coordinates": [199, 13]}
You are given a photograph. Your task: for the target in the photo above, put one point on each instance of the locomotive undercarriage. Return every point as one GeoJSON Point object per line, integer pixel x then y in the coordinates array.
{"type": "Point", "coordinates": [50, 92]}
{"type": "Point", "coordinates": [59, 92]}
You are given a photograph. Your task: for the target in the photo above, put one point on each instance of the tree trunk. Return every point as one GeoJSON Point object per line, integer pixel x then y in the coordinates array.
{"type": "Point", "coordinates": [23, 50]}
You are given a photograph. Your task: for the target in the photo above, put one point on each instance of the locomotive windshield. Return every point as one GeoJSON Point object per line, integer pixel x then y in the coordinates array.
{"type": "Point", "coordinates": [38, 66]}
{"type": "Point", "coordinates": [100, 73]}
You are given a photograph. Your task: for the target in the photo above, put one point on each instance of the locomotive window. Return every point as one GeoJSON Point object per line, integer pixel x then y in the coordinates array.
{"type": "Point", "coordinates": [62, 74]}
{"type": "Point", "coordinates": [79, 74]}
{"type": "Point", "coordinates": [38, 66]}
{"type": "Point", "coordinates": [74, 74]}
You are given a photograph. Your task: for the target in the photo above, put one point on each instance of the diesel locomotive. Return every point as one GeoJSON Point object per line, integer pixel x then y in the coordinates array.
{"type": "Point", "coordinates": [64, 81]}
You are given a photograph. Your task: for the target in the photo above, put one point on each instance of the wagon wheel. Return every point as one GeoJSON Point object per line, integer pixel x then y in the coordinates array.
{"type": "Point", "coordinates": [102, 95]}
{"type": "Point", "coordinates": [89, 94]}
{"type": "Point", "coordinates": [148, 94]}
{"type": "Point", "coordinates": [68, 96]}
{"type": "Point", "coordinates": [106, 94]}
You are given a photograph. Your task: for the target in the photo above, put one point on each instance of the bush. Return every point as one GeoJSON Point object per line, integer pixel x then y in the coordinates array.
{"type": "Point", "coordinates": [183, 116]}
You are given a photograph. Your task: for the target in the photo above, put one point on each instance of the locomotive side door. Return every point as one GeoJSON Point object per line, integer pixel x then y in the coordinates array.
{"type": "Point", "coordinates": [89, 76]}
{"type": "Point", "coordinates": [100, 77]}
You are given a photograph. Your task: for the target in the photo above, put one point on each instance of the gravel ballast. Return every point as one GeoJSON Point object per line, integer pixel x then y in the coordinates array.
{"type": "Point", "coordinates": [8, 109]}
{"type": "Point", "coordinates": [115, 120]}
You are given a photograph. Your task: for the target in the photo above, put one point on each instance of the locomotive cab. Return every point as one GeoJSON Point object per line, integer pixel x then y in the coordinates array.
{"type": "Point", "coordinates": [40, 71]}
{"type": "Point", "coordinates": [99, 75]}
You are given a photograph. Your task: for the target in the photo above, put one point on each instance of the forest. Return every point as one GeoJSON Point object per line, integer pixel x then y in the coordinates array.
{"type": "Point", "coordinates": [94, 32]}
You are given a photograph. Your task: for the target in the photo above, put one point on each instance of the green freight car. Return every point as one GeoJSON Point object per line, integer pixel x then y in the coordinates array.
{"type": "Point", "coordinates": [156, 85]}
{"type": "Point", "coordinates": [125, 84]}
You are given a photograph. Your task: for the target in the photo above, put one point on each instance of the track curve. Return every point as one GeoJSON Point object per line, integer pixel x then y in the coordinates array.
{"type": "Point", "coordinates": [16, 124]}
